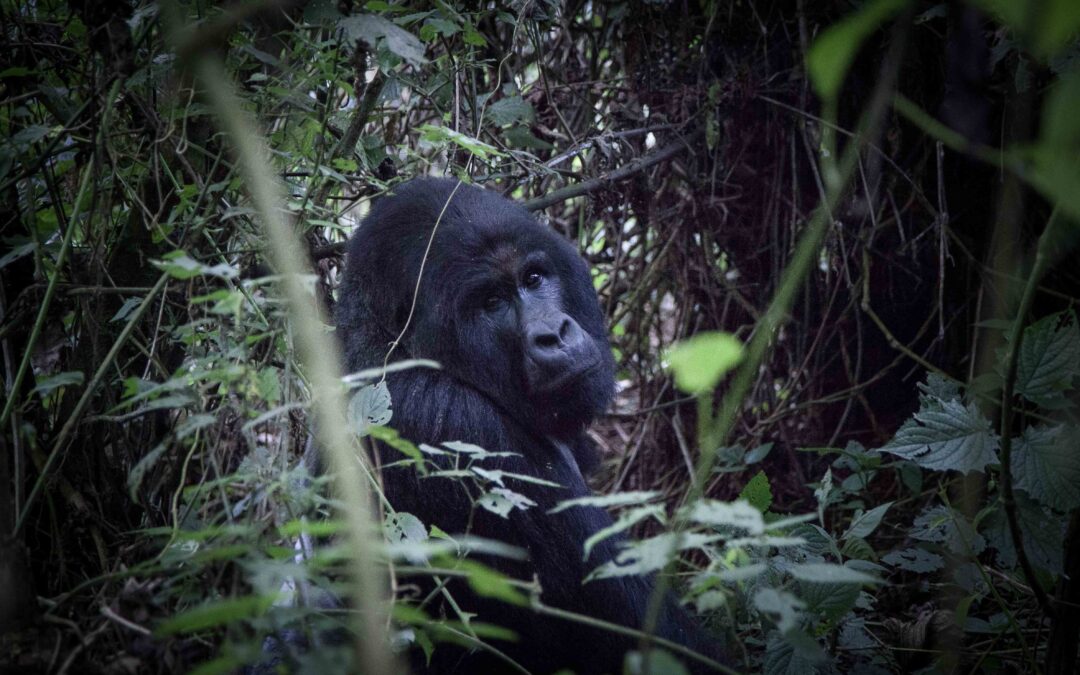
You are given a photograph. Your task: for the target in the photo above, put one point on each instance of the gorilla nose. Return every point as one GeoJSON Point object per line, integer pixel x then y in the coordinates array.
{"type": "Point", "coordinates": [553, 343]}
{"type": "Point", "coordinates": [547, 337]}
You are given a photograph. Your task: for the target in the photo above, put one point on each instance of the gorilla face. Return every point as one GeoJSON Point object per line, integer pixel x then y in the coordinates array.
{"type": "Point", "coordinates": [505, 304]}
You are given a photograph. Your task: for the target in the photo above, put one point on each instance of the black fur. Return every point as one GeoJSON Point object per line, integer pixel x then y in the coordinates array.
{"type": "Point", "coordinates": [477, 303]}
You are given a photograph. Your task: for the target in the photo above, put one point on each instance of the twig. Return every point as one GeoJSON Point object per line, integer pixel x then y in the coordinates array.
{"type": "Point", "coordinates": [623, 172]}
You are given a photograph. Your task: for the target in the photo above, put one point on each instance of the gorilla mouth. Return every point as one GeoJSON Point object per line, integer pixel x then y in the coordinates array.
{"type": "Point", "coordinates": [563, 380]}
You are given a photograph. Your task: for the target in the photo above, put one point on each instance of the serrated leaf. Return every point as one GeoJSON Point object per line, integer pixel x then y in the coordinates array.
{"type": "Point", "coordinates": [650, 555]}
{"type": "Point", "coordinates": [1049, 360]}
{"type": "Point", "coordinates": [865, 523]}
{"type": "Point", "coordinates": [739, 515]}
{"type": "Point", "coordinates": [946, 436]}
{"type": "Point", "coordinates": [914, 560]}
{"type": "Point", "coordinates": [370, 27]}
{"type": "Point", "coordinates": [1046, 465]}
{"type": "Point", "coordinates": [830, 56]}
{"type": "Point", "coordinates": [402, 526]}
{"type": "Point", "coordinates": [369, 407]}
{"type": "Point", "coordinates": [781, 607]}
{"type": "Point", "coordinates": [757, 492]}
{"type": "Point", "coordinates": [939, 524]}
{"type": "Point", "coordinates": [1042, 530]}
{"type": "Point", "coordinates": [701, 361]}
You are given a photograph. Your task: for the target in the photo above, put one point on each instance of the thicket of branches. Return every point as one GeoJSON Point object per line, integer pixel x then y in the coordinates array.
{"type": "Point", "coordinates": [911, 167]}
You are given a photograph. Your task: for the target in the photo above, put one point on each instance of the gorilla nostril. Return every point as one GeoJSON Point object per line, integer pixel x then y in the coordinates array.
{"type": "Point", "coordinates": [564, 329]}
{"type": "Point", "coordinates": [546, 340]}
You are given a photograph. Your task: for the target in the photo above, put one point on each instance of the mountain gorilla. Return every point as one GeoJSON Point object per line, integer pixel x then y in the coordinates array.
{"type": "Point", "coordinates": [507, 308]}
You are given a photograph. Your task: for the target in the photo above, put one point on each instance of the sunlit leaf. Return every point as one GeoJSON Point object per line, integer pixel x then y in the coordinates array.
{"type": "Point", "coordinates": [700, 362]}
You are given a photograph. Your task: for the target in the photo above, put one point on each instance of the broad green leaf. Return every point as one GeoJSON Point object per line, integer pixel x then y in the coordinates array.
{"type": "Point", "coordinates": [865, 523]}
{"type": "Point", "coordinates": [402, 526]}
{"type": "Point", "coordinates": [509, 110]}
{"type": "Point", "coordinates": [830, 57]}
{"type": "Point", "coordinates": [1049, 360]}
{"type": "Point", "coordinates": [370, 28]}
{"type": "Point", "coordinates": [1046, 465]}
{"type": "Point", "coordinates": [369, 406]}
{"type": "Point", "coordinates": [914, 560]}
{"type": "Point", "coordinates": [830, 601]}
{"type": "Point", "coordinates": [758, 492]}
{"type": "Point", "coordinates": [1042, 531]}
{"type": "Point", "coordinates": [946, 436]}
{"type": "Point", "coordinates": [700, 362]}
{"type": "Point", "coordinates": [939, 524]}
{"type": "Point", "coordinates": [792, 653]}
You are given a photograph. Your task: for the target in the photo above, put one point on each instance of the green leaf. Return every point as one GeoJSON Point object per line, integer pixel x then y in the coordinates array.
{"type": "Point", "coordinates": [138, 472]}
{"type": "Point", "coordinates": [402, 526]}
{"type": "Point", "coordinates": [215, 613]}
{"type": "Point", "coordinates": [624, 522]}
{"type": "Point", "coordinates": [660, 663]}
{"type": "Point", "coordinates": [941, 525]}
{"type": "Point", "coordinates": [509, 110]}
{"type": "Point", "coordinates": [781, 607]}
{"type": "Point", "coordinates": [757, 492]}
{"type": "Point", "coordinates": [1049, 360]}
{"type": "Point", "coordinates": [368, 407]}
{"type": "Point", "coordinates": [1047, 26]}
{"type": "Point", "coordinates": [865, 523]}
{"type": "Point", "coordinates": [1042, 531]}
{"type": "Point", "coordinates": [442, 135]}
{"type": "Point", "coordinates": [701, 361]}
{"type": "Point", "coordinates": [395, 441]}
{"type": "Point", "coordinates": [914, 560]}
{"type": "Point", "coordinates": [830, 56]}
{"type": "Point", "coordinates": [604, 501]}
{"type": "Point", "coordinates": [65, 379]}
{"type": "Point", "coordinates": [650, 555]}
{"type": "Point", "coordinates": [501, 501]}
{"type": "Point", "coordinates": [946, 436]}
{"type": "Point", "coordinates": [1046, 465]}
{"type": "Point", "coordinates": [488, 583]}
{"type": "Point", "coordinates": [1055, 159]}
{"type": "Point", "coordinates": [370, 28]}
{"type": "Point", "coordinates": [829, 573]}
{"type": "Point", "coordinates": [739, 515]}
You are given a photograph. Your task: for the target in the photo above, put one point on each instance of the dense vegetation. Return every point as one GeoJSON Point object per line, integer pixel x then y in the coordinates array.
{"type": "Point", "coordinates": [834, 241]}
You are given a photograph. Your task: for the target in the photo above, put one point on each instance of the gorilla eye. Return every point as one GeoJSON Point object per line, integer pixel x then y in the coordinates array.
{"type": "Point", "coordinates": [492, 303]}
{"type": "Point", "coordinates": [533, 280]}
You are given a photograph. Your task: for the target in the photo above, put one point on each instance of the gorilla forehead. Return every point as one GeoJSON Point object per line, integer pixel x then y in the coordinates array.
{"type": "Point", "coordinates": [477, 226]}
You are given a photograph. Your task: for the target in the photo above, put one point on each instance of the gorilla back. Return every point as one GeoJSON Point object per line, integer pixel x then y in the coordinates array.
{"type": "Point", "coordinates": [506, 306]}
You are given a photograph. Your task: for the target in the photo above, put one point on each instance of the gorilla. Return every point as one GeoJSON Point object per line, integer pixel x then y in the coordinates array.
{"type": "Point", "coordinates": [507, 307]}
